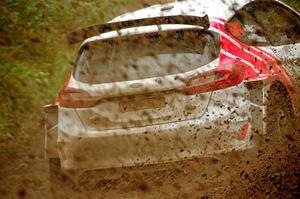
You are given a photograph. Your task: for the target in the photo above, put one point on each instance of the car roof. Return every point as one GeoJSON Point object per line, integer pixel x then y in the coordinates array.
{"type": "Point", "coordinates": [213, 8]}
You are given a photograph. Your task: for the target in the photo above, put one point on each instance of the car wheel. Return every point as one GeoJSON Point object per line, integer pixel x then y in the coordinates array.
{"type": "Point", "coordinates": [61, 186]}
{"type": "Point", "coordinates": [279, 114]}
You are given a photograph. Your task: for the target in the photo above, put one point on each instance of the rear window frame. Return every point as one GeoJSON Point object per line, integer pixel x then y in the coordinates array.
{"type": "Point", "coordinates": [214, 35]}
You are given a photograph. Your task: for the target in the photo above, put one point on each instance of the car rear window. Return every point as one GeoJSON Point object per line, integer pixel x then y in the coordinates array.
{"type": "Point", "coordinates": [144, 56]}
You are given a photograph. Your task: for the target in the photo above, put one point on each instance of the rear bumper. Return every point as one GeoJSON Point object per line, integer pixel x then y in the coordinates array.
{"type": "Point", "coordinates": [150, 145]}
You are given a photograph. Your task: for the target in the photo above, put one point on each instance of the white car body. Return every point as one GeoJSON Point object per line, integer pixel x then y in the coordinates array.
{"type": "Point", "coordinates": [224, 116]}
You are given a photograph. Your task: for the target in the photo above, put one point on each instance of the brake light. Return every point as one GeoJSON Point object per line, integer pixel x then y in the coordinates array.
{"type": "Point", "coordinates": [243, 132]}
{"type": "Point", "coordinates": [222, 77]}
{"type": "Point", "coordinates": [76, 98]}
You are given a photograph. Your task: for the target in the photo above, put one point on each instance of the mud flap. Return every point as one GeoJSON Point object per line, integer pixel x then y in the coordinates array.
{"type": "Point", "coordinates": [257, 90]}
{"type": "Point", "coordinates": [51, 121]}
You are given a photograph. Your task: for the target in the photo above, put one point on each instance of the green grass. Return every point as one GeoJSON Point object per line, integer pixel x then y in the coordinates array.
{"type": "Point", "coordinates": [34, 58]}
{"type": "Point", "coordinates": [293, 3]}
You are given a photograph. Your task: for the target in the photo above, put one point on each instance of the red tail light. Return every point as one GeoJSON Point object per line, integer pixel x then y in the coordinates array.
{"type": "Point", "coordinates": [220, 78]}
{"type": "Point", "coordinates": [76, 98]}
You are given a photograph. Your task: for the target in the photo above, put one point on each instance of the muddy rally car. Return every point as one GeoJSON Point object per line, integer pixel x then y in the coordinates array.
{"type": "Point", "coordinates": [172, 82]}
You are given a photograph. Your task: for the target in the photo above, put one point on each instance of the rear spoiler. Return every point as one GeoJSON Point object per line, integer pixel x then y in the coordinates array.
{"type": "Point", "coordinates": [84, 33]}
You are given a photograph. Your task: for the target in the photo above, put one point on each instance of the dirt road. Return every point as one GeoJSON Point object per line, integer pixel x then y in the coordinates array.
{"type": "Point", "coordinates": [271, 171]}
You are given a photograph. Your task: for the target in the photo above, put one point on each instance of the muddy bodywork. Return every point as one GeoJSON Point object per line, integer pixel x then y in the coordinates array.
{"type": "Point", "coordinates": [226, 118]}
{"type": "Point", "coordinates": [215, 132]}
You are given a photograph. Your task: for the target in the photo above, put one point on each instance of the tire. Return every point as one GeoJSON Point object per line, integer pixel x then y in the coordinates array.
{"type": "Point", "coordinates": [279, 114]}
{"type": "Point", "coordinates": [61, 186]}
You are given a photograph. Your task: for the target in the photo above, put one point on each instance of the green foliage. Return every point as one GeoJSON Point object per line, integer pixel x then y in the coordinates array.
{"type": "Point", "coordinates": [34, 58]}
{"type": "Point", "coordinates": [293, 3]}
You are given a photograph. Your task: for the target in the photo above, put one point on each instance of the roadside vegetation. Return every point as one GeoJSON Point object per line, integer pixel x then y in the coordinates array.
{"type": "Point", "coordinates": [34, 58]}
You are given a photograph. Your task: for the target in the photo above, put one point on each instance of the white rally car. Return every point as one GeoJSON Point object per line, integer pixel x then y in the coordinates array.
{"type": "Point", "coordinates": [176, 81]}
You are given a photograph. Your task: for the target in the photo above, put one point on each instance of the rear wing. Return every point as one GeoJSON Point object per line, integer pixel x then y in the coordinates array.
{"type": "Point", "coordinates": [84, 33]}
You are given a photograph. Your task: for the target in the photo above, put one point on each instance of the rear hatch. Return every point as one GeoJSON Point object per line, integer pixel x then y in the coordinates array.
{"type": "Point", "coordinates": [140, 80]}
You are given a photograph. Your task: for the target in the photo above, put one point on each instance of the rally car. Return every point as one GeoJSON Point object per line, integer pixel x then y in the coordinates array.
{"type": "Point", "coordinates": [176, 81]}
